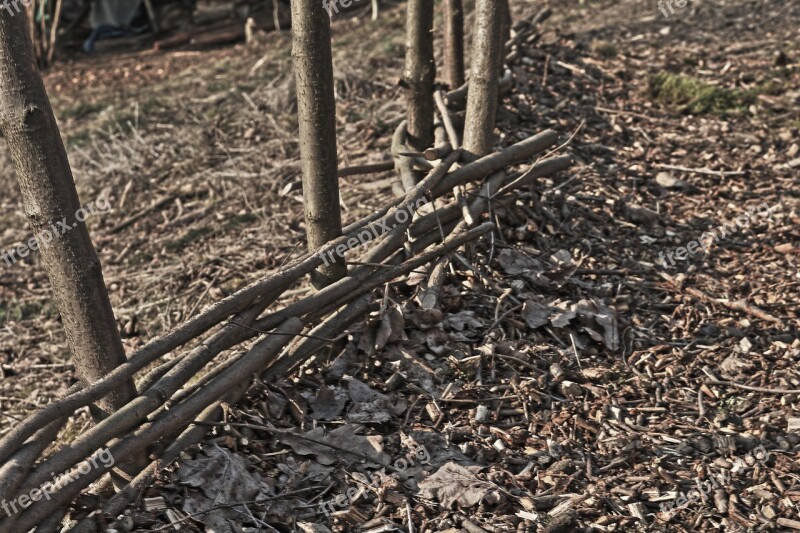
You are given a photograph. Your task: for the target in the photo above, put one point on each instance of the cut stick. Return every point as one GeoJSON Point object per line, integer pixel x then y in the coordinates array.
{"type": "Point", "coordinates": [499, 160]}
{"type": "Point", "coordinates": [374, 168]}
{"type": "Point", "coordinates": [430, 298]}
{"type": "Point", "coordinates": [403, 164]}
{"type": "Point", "coordinates": [457, 98]}
{"type": "Point", "coordinates": [447, 120]}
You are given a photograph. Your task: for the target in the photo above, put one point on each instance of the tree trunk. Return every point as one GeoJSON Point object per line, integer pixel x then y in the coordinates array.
{"type": "Point", "coordinates": [313, 68]}
{"type": "Point", "coordinates": [51, 203]}
{"type": "Point", "coordinates": [420, 73]}
{"type": "Point", "coordinates": [507, 23]}
{"type": "Point", "coordinates": [485, 64]}
{"type": "Point", "coordinates": [454, 43]}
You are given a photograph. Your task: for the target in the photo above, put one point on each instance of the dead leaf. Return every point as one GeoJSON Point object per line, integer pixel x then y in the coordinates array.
{"type": "Point", "coordinates": [343, 438]}
{"type": "Point", "coordinates": [453, 483]}
{"type": "Point", "coordinates": [391, 328]}
{"type": "Point", "coordinates": [463, 320]}
{"type": "Point", "coordinates": [329, 403]}
{"type": "Point", "coordinates": [515, 262]}
{"type": "Point", "coordinates": [535, 314]}
{"type": "Point", "coordinates": [369, 405]}
{"type": "Point", "coordinates": [561, 319]}
{"type": "Point", "coordinates": [223, 479]}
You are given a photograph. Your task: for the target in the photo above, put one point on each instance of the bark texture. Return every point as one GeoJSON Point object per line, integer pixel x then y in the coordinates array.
{"type": "Point", "coordinates": [49, 197]}
{"type": "Point", "coordinates": [454, 43]}
{"type": "Point", "coordinates": [313, 68]}
{"type": "Point", "coordinates": [485, 64]}
{"type": "Point", "coordinates": [420, 73]}
{"type": "Point", "coordinates": [508, 21]}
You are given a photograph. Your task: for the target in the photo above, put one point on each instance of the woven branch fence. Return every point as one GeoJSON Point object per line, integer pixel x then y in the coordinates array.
{"type": "Point", "coordinates": [178, 397]}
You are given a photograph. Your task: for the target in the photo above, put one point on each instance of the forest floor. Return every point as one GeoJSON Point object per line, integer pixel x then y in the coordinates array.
{"type": "Point", "coordinates": [608, 352]}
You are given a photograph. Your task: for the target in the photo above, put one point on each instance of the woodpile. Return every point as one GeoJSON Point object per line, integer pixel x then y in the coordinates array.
{"type": "Point", "coordinates": [444, 204]}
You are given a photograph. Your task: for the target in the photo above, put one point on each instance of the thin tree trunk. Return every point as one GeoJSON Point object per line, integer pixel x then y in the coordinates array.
{"type": "Point", "coordinates": [454, 43]}
{"type": "Point", "coordinates": [420, 73]}
{"type": "Point", "coordinates": [313, 67]}
{"type": "Point", "coordinates": [505, 36]}
{"type": "Point", "coordinates": [51, 204]}
{"type": "Point", "coordinates": [485, 64]}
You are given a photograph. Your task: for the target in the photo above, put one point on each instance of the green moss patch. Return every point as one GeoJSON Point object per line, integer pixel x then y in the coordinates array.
{"type": "Point", "coordinates": [696, 97]}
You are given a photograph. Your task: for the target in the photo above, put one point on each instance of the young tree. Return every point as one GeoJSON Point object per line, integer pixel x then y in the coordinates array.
{"type": "Point", "coordinates": [51, 204]}
{"type": "Point", "coordinates": [313, 68]}
{"type": "Point", "coordinates": [505, 5]}
{"type": "Point", "coordinates": [454, 43]}
{"type": "Point", "coordinates": [485, 64]}
{"type": "Point", "coordinates": [420, 73]}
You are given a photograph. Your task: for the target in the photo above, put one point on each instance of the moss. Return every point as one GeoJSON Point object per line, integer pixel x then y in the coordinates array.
{"type": "Point", "coordinates": [697, 97]}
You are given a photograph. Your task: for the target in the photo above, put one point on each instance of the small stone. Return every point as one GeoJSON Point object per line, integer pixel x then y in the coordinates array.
{"type": "Point", "coordinates": [769, 511]}
{"type": "Point", "coordinates": [745, 345]}
{"type": "Point", "coordinates": [668, 181]}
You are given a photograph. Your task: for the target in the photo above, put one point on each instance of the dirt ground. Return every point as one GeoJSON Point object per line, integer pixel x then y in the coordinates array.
{"type": "Point", "coordinates": [608, 352]}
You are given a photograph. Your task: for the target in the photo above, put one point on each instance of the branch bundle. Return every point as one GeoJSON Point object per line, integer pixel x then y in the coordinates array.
{"type": "Point", "coordinates": [433, 219]}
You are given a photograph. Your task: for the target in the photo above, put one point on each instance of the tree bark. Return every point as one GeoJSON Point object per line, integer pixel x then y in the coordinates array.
{"type": "Point", "coordinates": [420, 73]}
{"type": "Point", "coordinates": [485, 64]}
{"type": "Point", "coordinates": [51, 204]}
{"type": "Point", "coordinates": [454, 43]}
{"type": "Point", "coordinates": [505, 36]}
{"type": "Point", "coordinates": [313, 68]}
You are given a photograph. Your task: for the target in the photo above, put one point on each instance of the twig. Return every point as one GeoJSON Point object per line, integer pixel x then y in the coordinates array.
{"type": "Point", "coordinates": [751, 388]}
{"type": "Point", "coordinates": [707, 171]}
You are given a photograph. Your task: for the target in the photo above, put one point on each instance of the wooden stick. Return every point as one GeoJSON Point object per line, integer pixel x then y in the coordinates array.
{"type": "Point", "coordinates": [452, 134]}
{"type": "Point", "coordinates": [457, 98]}
{"type": "Point", "coordinates": [366, 169]}
{"type": "Point", "coordinates": [54, 32]}
{"type": "Point", "coordinates": [493, 162]}
{"type": "Point", "coordinates": [404, 164]}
